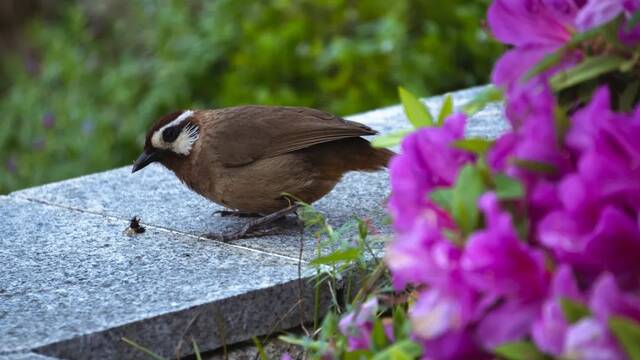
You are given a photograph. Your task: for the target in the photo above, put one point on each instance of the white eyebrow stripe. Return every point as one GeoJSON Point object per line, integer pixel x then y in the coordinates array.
{"type": "Point", "coordinates": [156, 138]}
{"type": "Point", "coordinates": [178, 120]}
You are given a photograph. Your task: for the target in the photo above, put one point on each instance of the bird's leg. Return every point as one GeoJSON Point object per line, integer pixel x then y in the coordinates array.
{"type": "Point", "coordinates": [253, 225]}
{"type": "Point", "coordinates": [236, 213]}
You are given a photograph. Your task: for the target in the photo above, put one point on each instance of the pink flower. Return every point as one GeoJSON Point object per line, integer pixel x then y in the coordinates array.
{"type": "Point", "coordinates": [551, 326]}
{"type": "Point", "coordinates": [497, 263]}
{"type": "Point", "coordinates": [564, 10]}
{"type": "Point", "coordinates": [358, 324]}
{"type": "Point", "coordinates": [609, 151]}
{"type": "Point", "coordinates": [507, 322]}
{"type": "Point", "coordinates": [534, 27]}
{"type": "Point", "coordinates": [427, 161]}
{"type": "Point", "coordinates": [589, 339]}
{"type": "Point", "coordinates": [578, 221]}
{"type": "Point", "coordinates": [507, 272]}
{"type": "Point", "coordinates": [529, 22]}
{"type": "Point", "coordinates": [530, 110]}
{"type": "Point", "coordinates": [453, 345]}
{"type": "Point", "coordinates": [608, 299]}
{"type": "Point", "coordinates": [423, 256]}
{"type": "Point", "coordinates": [598, 12]}
{"type": "Point", "coordinates": [437, 312]}
{"type": "Point", "coordinates": [595, 227]}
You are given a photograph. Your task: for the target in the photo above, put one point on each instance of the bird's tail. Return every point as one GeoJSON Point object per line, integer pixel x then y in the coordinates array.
{"type": "Point", "coordinates": [352, 154]}
{"type": "Point", "coordinates": [378, 159]}
{"type": "Point", "coordinates": [361, 156]}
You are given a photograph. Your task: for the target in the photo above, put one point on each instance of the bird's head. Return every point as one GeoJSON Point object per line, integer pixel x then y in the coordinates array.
{"type": "Point", "coordinates": [173, 135]}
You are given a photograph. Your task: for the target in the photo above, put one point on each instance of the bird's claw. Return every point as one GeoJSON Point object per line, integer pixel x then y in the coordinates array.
{"type": "Point", "coordinates": [237, 235]}
{"type": "Point", "coordinates": [252, 228]}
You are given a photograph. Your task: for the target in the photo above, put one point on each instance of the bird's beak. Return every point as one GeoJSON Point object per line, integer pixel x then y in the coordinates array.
{"type": "Point", "coordinates": [147, 157]}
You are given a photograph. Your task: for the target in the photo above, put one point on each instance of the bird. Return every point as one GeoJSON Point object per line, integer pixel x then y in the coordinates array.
{"type": "Point", "coordinates": [258, 160]}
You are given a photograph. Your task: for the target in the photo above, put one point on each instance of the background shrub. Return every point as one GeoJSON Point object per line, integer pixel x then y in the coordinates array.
{"type": "Point", "coordinates": [88, 77]}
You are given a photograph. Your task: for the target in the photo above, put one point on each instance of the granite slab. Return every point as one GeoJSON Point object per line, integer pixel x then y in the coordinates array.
{"type": "Point", "coordinates": [73, 285]}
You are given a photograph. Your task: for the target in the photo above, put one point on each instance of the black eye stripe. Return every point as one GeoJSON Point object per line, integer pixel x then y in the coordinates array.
{"type": "Point", "coordinates": [171, 133]}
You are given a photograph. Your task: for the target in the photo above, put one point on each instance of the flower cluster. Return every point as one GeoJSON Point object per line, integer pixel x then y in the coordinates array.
{"type": "Point", "coordinates": [504, 284]}
{"type": "Point", "coordinates": [570, 240]}
{"type": "Point", "coordinates": [536, 28]}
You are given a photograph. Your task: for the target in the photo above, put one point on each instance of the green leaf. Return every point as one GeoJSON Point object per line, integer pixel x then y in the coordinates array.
{"type": "Point", "coordinates": [346, 255]}
{"type": "Point", "coordinates": [401, 350]}
{"type": "Point", "coordinates": [443, 197]}
{"type": "Point", "coordinates": [580, 37]}
{"type": "Point", "coordinates": [627, 332]}
{"type": "Point", "coordinates": [573, 311]}
{"type": "Point", "coordinates": [611, 33]}
{"type": "Point", "coordinates": [468, 188]}
{"type": "Point", "coordinates": [508, 188]}
{"type": "Point", "coordinates": [329, 325]}
{"type": "Point", "coordinates": [629, 96]}
{"type": "Point", "coordinates": [305, 342]}
{"type": "Point", "coordinates": [261, 352]}
{"type": "Point", "coordinates": [588, 69]}
{"type": "Point", "coordinates": [363, 229]}
{"type": "Point", "coordinates": [492, 94]}
{"type": "Point", "coordinates": [357, 355]}
{"type": "Point", "coordinates": [401, 326]}
{"type": "Point", "coordinates": [378, 337]}
{"type": "Point", "coordinates": [549, 61]}
{"type": "Point", "coordinates": [475, 145]}
{"type": "Point", "coordinates": [416, 110]}
{"type": "Point", "coordinates": [446, 109]}
{"type": "Point", "coordinates": [196, 350]}
{"type": "Point", "coordinates": [521, 350]}
{"type": "Point", "coordinates": [391, 139]}
{"type": "Point", "coordinates": [561, 123]}
{"type": "Point", "coordinates": [631, 63]}
{"type": "Point", "coordinates": [535, 166]}
{"type": "Point", "coordinates": [553, 59]}
{"type": "Point", "coordinates": [633, 21]}
{"type": "Point", "coordinates": [148, 352]}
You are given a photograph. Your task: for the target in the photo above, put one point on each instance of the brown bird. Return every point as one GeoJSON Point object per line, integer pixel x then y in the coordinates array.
{"type": "Point", "coordinates": [247, 158]}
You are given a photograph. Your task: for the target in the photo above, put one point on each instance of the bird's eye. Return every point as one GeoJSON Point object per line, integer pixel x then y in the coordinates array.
{"type": "Point", "coordinates": [170, 134]}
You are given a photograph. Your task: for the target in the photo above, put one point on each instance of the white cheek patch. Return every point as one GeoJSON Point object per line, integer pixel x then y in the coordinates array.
{"type": "Point", "coordinates": [185, 140]}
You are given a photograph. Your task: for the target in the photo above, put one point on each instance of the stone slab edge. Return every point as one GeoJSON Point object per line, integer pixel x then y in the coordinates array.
{"type": "Point", "coordinates": [209, 325]}
{"type": "Point", "coordinates": [26, 356]}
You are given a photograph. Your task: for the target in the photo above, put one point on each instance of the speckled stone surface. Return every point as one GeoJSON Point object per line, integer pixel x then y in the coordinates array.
{"type": "Point", "coordinates": [159, 199]}
{"type": "Point", "coordinates": [73, 284]}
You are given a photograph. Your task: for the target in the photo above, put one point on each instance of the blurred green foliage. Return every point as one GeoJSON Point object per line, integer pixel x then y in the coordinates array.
{"type": "Point", "coordinates": [94, 77]}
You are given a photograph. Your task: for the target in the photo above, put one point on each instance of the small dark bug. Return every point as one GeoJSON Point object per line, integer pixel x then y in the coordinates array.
{"type": "Point", "coordinates": [134, 227]}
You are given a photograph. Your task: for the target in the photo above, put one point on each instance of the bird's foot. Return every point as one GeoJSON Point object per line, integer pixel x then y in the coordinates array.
{"type": "Point", "coordinates": [237, 235]}
{"type": "Point", "coordinates": [252, 228]}
{"type": "Point", "coordinates": [236, 213]}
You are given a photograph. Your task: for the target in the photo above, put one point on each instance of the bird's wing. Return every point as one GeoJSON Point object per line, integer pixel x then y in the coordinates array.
{"type": "Point", "coordinates": [250, 133]}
